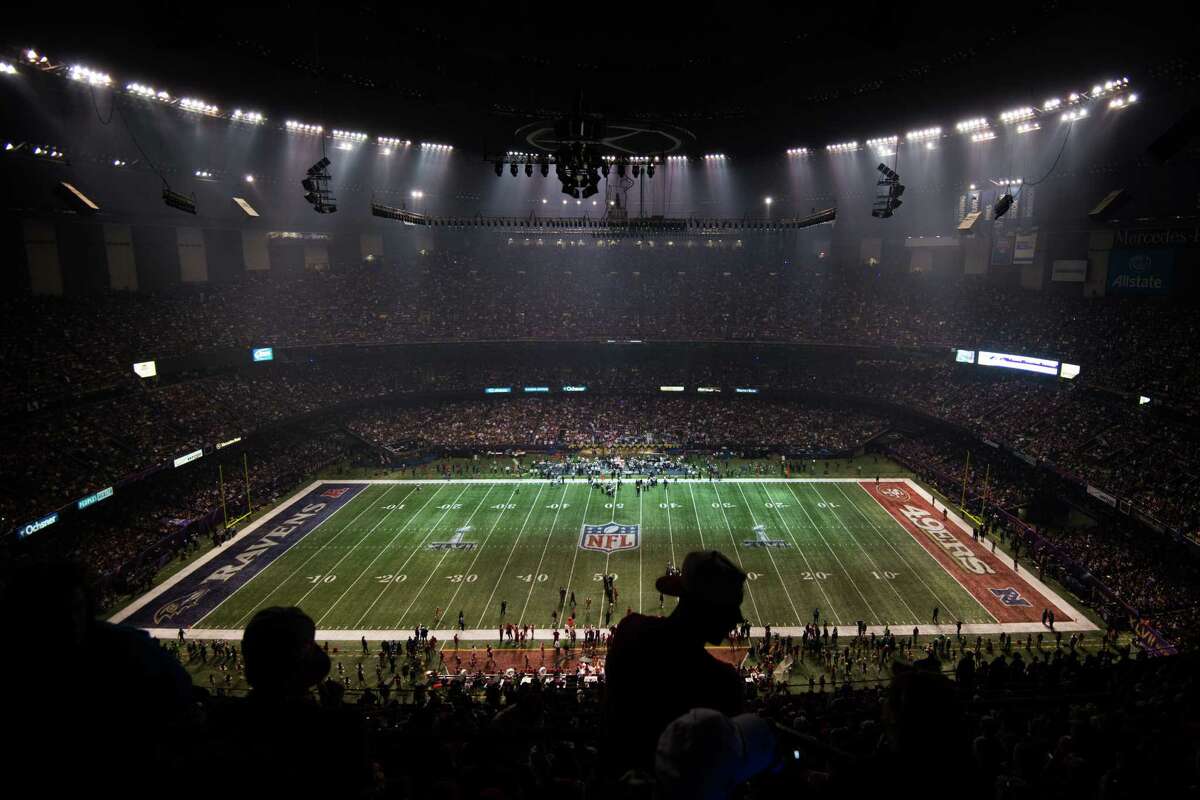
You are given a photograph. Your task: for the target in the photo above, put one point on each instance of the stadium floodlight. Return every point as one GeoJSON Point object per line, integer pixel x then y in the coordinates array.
{"type": "Point", "coordinates": [303, 127]}
{"type": "Point", "coordinates": [1017, 115]}
{"type": "Point", "coordinates": [795, 152]}
{"type": "Point", "coordinates": [972, 125]}
{"type": "Point", "coordinates": [923, 134]}
{"type": "Point", "coordinates": [89, 76]}
{"type": "Point", "coordinates": [7, 68]}
{"type": "Point", "coordinates": [842, 147]}
{"type": "Point", "coordinates": [983, 136]}
{"type": "Point", "coordinates": [391, 141]}
{"type": "Point", "coordinates": [887, 143]}
{"type": "Point", "coordinates": [148, 92]}
{"type": "Point", "coordinates": [434, 146]}
{"type": "Point", "coordinates": [179, 201]}
{"type": "Point", "coordinates": [714, 157]}
{"type": "Point", "coordinates": [198, 106]}
{"type": "Point", "coordinates": [1052, 104]}
{"type": "Point", "coordinates": [249, 117]}
{"type": "Point", "coordinates": [1028, 127]}
{"type": "Point", "coordinates": [352, 136]}
{"type": "Point", "coordinates": [1073, 115]}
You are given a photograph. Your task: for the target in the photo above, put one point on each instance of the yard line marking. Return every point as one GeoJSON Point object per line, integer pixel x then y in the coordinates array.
{"type": "Point", "coordinates": [441, 560]}
{"type": "Point", "coordinates": [788, 528]}
{"type": "Point", "coordinates": [778, 574]}
{"type": "Point", "coordinates": [833, 553]}
{"type": "Point", "coordinates": [350, 550]}
{"type": "Point", "coordinates": [514, 549]}
{"type": "Point", "coordinates": [670, 533]}
{"type": "Point", "coordinates": [874, 564]}
{"type": "Point", "coordinates": [415, 550]}
{"type": "Point", "coordinates": [927, 586]}
{"type": "Point", "coordinates": [641, 544]}
{"type": "Point", "coordinates": [382, 550]}
{"type": "Point", "coordinates": [571, 576]}
{"type": "Point", "coordinates": [479, 549]}
{"type": "Point", "coordinates": [257, 605]}
{"type": "Point", "coordinates": [729, 528]}
{"type": "Point", "coordinates": [699, 527]}
{"type": "Point", "coordinates": [541, 558]}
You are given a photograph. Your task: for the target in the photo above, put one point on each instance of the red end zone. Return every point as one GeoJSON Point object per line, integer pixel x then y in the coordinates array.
{"type": "Point", "coordinates": [1004, 593]}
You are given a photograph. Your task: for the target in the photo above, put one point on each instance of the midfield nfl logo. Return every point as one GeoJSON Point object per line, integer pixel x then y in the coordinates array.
{"type": "Point", "coordinates": [609, 537]}
{"type": "Point", "coordinates": [762, 540]}
{"type": "Point", "coordinates": [456, 541]}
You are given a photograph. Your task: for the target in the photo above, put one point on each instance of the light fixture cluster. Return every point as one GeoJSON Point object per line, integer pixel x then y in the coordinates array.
{"type": "Point", "coordinates": [7, 68]}
{"type": "Point", "coordinates": [1074, 115]}
{"type": "Point", "coordinates": [1029, 127]}
{"type": "Point", "coordinates": [714, 156]}
{"type": "Point", "coordinates": [923, 134]}
{"type": "Point", "coordinates": [203, 173]}
{"type": "Point", "coordinates": [1109, 87]}
{"type": "Point", "coordinates": [434, 146]}
{"type": "Point", "coordinates": [89, 76]}
{"type": "Point", "coordinates": [198, 106]}
{"type": "Point", "coordinates": [148, 92]}
{"type": "Point", "coordinates": [677, 159]}
{"type": "Point", "coordinates": [1007, 181]}
{"type": "Point", "coordinates": [391, 141]}
{"type": "Point", "coordinates": [972, 125]}
{"type": "Point", "coordinates": [1123, 102]}
{"type": "Point", "coordinates": [983, 136]}
{"type": "Point", "coordinates": [797, 152]}
{"type": "Point", "coordinates": [46, 151]}
{"type": "Point", "coordinates": [251, 117]}
{"type": "Point", "coordinates": [842, 147]}
{"type": "Point", "coordinates": [303, 127]}
{"type": "Point", "coordinates": [1017, 115]}
{"type": "Point", "coordinates": [119, 163]}
{"type": "Point", "coordinates": [33, 57]}
{"type": "Point", "coordinates": [349, 136]}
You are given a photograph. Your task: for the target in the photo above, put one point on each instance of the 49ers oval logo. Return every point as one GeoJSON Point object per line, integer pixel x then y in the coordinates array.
{"type": "Point", "coordinates": [894, 492]}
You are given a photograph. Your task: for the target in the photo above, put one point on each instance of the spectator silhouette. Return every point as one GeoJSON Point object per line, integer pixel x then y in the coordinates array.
{"type": "Point", "coordinates": [658, 668]}
{"type": "Point", "coordinates": [279, 740]}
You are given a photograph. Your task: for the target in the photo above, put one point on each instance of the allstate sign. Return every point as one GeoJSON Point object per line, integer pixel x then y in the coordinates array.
{"type": "Point", "coordinates": [1140, 271]}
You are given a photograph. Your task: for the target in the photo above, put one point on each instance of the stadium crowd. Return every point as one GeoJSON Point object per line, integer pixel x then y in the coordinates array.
{"type": "Point", "coordinates": [484, 289]}
{"type": "Point", "coordinates": [612, 421]}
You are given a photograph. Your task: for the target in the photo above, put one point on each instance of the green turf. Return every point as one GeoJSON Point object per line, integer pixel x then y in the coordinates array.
{"type": "Point", "coordinates": [369, 565]}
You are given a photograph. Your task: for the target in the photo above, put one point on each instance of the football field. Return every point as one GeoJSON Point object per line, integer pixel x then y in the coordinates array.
{"type": "Point", "coordinates": [376, 558]}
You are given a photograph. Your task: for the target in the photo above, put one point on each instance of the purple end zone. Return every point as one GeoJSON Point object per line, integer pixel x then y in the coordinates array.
{"type": "Point", "coordinates": [188, 601]}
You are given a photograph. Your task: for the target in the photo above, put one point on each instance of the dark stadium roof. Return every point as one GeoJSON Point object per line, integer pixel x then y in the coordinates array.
{"type": "Point", "coordinates": [463, 73]}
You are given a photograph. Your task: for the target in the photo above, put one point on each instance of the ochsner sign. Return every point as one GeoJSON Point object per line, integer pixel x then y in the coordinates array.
{"type": "Point", "coordinates": [37, 525]}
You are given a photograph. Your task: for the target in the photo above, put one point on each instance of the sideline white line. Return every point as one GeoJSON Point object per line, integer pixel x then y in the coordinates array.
{"type": "Point", "coordinates": [1029, 577]}
{"type": "Point", "coordinates": [546, 634]}
{"type": "Point", "coordinates": [175, 579]}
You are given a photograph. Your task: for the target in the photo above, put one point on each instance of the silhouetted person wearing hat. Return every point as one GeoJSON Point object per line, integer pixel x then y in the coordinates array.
{"type": "Point", "coordinates": [658, 668]}
{"type": "Point", "coordinates": [279, 740]}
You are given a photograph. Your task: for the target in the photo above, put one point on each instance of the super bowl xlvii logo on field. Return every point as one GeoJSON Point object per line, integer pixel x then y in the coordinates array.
{"type": "Point", "coordinates": [609, 537]}
{"type": "Point", "coordinates": [456, 541]}
{"type": "Point", "coordinates": [762, 540]}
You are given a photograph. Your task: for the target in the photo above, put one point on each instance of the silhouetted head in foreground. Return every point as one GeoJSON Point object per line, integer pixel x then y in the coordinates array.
{"type": "Point", "coordinates": [710, 591]}
{"type": "Point", "coordinates": [281, 652]}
